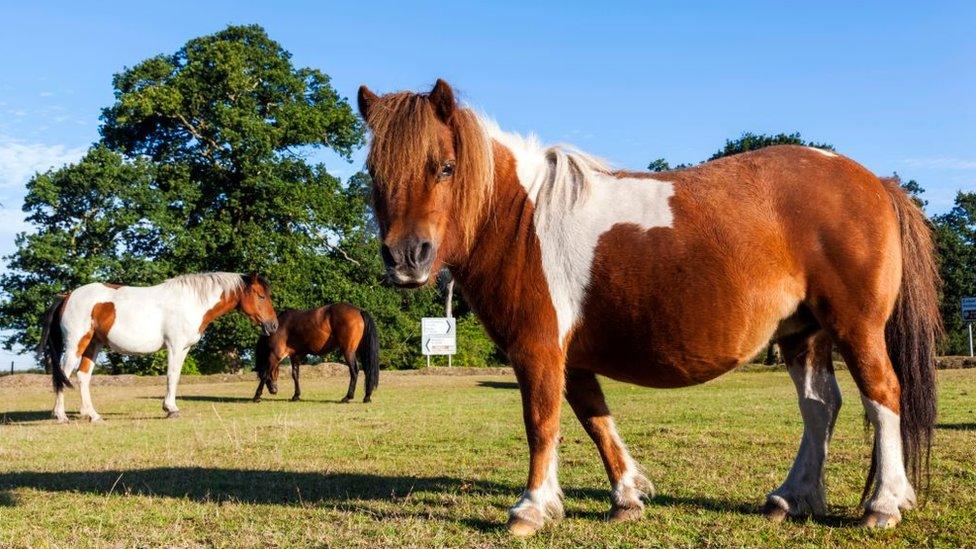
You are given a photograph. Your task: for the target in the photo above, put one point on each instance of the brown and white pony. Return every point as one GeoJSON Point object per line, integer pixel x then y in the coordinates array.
{"type": "Point", "coordinates": [337, 327]}
{"type": "Point", "coordinates": [136, 320]}
{"type": "Point", "coordinates": [667, 280]}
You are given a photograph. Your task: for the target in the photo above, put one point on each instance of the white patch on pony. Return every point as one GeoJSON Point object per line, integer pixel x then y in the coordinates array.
{"type": "Point", "coordinates": [577, 199]}
{"type": "Point", "coordinates": [824, 152]}
{"type": "Point", "coordinates": [892, 490]}
{"type": "Point", "coordinates": [633, 486]}
{"type": "Point", "coordinates": [543, 503]}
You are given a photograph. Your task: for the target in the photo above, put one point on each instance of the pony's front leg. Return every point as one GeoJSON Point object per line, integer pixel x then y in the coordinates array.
{"type": "Point", "coordinates": [630, 486]}
{"type": "Point", "coordinates": [808, 360]}
{"type": "Point", "coordinates": [174, 365]}
{"type": "Point", "coordinates": [541, 385]}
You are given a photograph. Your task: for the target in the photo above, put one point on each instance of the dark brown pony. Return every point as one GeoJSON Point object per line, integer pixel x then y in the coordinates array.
{"type": "Point", "coordinates": [668, 280]}
{"type": "Point", "coordinates": [338, 327]}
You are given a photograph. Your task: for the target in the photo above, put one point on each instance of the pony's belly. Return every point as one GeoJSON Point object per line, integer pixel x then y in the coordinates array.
{"type": "Point", "coordinates": [676, 346]}
{"type": "Point", "coordinates": [134, 344]}
{"type": "Point", "coordinates": [136, 332]}
{"type": "Point", "coordinates": [654, 367]}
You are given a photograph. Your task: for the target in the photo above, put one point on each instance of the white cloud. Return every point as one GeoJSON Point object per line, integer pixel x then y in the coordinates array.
{"type": "Point", "coordinates": [20, 160]}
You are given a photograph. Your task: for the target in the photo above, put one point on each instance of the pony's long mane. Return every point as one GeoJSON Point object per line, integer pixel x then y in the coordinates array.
{"type": "Point", "coordinates": [205, 285]}
{"type": "Point", "coordinates": [564, 175]}
{"type": "Point", "coordinates": [404, 144]}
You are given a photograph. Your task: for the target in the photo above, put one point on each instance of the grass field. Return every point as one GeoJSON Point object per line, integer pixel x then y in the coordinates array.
{"type": "Point", "coordinates": [436, 460]}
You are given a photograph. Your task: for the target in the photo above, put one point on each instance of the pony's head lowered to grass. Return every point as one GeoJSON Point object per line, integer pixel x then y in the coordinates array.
{"type": "Point", "coordinates": [431, 164]}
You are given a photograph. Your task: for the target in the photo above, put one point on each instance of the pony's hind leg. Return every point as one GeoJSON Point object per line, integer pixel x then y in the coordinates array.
{"type": "Point", "coordinates": [890, 490]}
{"type": "Point", "coordinates": [85, 371]}
{"type": "Point", "coordinates": [67, 361]}
{"type": "Point", "coordinates": [70, 360]}
{"type": "Point", "coordinates": [296, 363]}
{"type": "Point", "coordinates": [630, 486]}
{"type": "Point", "coordinates": [809, 363]}
{"type": "Point", "coordinates": [353, 375]}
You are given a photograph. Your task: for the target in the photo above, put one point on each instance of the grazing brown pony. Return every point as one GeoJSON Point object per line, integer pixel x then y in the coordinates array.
{"type": "Point", "coordinates": [339, 326]}
{"type": "Point", "coordinates": [667, 280]}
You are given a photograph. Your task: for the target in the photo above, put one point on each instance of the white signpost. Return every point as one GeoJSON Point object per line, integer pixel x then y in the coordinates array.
{"type": "Point", "coordinates": [969, 317]}
{"type": "Point", "coordinates": [438, 336]}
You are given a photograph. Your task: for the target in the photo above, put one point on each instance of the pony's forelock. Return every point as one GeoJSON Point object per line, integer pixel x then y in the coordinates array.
{"type": "Point", "coordinates": [404, 130]}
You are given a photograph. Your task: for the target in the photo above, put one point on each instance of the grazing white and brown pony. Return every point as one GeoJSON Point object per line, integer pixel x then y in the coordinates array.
{"type": "Point", "coordinates": [667, 280]}
{"type": "Point", "coordinates": [136, 320]}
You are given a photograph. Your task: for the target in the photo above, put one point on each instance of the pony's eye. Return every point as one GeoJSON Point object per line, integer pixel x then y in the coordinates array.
{"type": "Point", "coordinates": [447, 170]}
{"type": "Point", "coordinates": [261, 297]}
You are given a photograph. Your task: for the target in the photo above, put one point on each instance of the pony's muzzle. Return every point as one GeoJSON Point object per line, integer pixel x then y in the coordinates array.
{"type": "Point", "coordinates": [269, 326]}
{"type": "Point", "coordinates": [272, 387]}
{"type": "Point", "coordinates": [409, 261]}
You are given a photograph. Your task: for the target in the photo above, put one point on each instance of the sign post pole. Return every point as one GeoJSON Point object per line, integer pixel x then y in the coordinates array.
{"type": "Point", "coordinates": [971, 339]}
{"type": "Point", "coordinates": [449, 313]}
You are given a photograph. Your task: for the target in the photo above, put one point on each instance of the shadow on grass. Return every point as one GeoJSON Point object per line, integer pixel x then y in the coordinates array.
{"type": "Point", "coordinates": [245, 485]}
{"type": "Point", "coordinates": [701, 503]}
{"type": "Point", "coordinates": [28, 416]}
{"type": "Point", "coordinates": [250, 399]}
{"type": "Point", "coordinates": [341, 490]}
{"type": "Point", "coordinates": [956, 426]}
{"type": "Point", "coordinates": [499, 384]}
{"type": "Point", "coordinates": [205, 398]}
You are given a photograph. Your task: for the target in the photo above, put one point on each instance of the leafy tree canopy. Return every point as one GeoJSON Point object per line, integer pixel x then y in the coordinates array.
{"type": "Point", "coordinates": [955, 233]}
{"type": "Point", "coordinates": [749, 141]}
{"type": "Point", "coordinates": [202, 166]}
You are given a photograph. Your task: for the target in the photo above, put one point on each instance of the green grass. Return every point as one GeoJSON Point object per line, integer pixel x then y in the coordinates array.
{"type": "Point", "coordinates": [436, 460]}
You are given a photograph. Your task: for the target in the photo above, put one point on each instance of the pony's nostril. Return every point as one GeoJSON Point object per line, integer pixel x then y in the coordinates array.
{"type": "Point", "coordinates": [387, 256]}
{"type": "Point", "coordinates": [426, 253]}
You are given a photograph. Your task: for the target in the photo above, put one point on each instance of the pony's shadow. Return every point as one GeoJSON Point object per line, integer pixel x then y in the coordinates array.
{"type": "Point", "coordinates": [28, 416]}
{"type": "Point", "coordinates": [348, 491]}
{"type": "Point", "coordinates": [343, 490]}
{"type": "Point", "coordinates": [232, 399]}
{"type": "Point", "coordinates": [498, 384]}
{"type": "Point", "coordinates": [25, 416]}
{"type": "Point", "coordinates": [956, 426]}
{"type": "Point", "coordinates": [206, 398]}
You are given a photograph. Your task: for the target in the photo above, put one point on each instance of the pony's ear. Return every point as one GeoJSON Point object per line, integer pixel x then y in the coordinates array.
{"type": "Point", "coordinates": [365, 100]}
{"type": "Point", "coordinates": [442, 99]}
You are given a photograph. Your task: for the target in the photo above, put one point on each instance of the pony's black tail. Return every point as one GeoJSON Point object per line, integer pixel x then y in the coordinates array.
{"type": "Point", "coordinates": [912, 333]}
{"type": "Point", "coordinates": [369, 352]}
{"type": "Point", "coordinates": [262, 355]}
{"type": "Point", "coordinates": [51, 347]}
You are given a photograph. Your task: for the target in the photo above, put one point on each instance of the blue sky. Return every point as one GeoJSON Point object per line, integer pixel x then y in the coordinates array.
{"type": "Point", "coordinates": [891, 84]}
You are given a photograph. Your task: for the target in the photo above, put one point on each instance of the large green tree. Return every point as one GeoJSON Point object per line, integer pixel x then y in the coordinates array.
{"type": "Point", "coordinates": [955, 233]}
{"type": "Point", "coordinates": [203, 165]}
